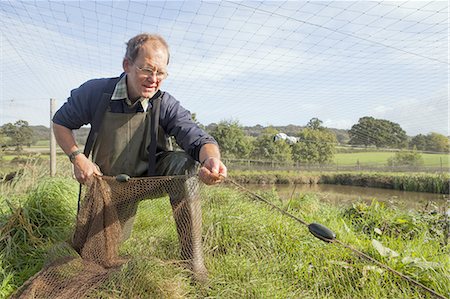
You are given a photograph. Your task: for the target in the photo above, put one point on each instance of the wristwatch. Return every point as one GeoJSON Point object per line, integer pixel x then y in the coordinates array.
{"type": "Point", "coordinates": [74, 154]}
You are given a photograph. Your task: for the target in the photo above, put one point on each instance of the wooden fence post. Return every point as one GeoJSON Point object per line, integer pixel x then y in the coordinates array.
{"type": "Point", "coordinates": [52, 140]}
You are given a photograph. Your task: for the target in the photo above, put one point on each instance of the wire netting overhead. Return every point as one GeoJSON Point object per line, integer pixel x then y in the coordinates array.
{"type": "Point", "coordinates": [269, 63]}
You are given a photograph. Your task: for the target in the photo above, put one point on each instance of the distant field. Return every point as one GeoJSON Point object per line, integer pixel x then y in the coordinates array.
{"type": "Point", "coordinates": [42, 143]}
{"type": "Point", "coordinates": [341, 159]}
{"type": "Point", "coordinates": [381, 158]}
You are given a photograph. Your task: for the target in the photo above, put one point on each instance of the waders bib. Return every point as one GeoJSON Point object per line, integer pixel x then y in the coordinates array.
{"type": "Point", "coordinates": [122, 146]}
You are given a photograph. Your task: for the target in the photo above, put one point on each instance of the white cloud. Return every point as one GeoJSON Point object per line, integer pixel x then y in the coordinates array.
{"type": "Point", "coordinates": [344, 124]}
{"type": "Point", "coordinates": [229, 60]}
{"type": "Point", "coordinates": [418, 115]}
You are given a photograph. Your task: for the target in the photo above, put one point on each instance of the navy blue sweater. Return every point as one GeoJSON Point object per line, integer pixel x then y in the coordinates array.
{"type": "Point", "coordinates": [176, 121]}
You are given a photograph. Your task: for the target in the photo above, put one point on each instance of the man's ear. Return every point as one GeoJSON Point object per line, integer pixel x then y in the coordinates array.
{"type": "Point", "coordinates": [126, 65]}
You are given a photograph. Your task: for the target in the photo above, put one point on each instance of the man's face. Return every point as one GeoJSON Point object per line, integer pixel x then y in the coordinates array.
{"type": "Point", "coordinates": [146, 73]}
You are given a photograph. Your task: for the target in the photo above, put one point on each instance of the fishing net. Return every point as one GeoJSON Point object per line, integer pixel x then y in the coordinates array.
{"type": "Point", "coordinates": [256, 248]}
{"type": "Point", "coordinates": [104, 221]}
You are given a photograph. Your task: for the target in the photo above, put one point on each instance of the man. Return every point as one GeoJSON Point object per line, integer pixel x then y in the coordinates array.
{"type": "Point", "coordinates": [131, 120]}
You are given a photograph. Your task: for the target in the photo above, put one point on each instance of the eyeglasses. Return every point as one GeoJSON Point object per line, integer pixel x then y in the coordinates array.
{"type": "Point", "coordinates": [151, 71]}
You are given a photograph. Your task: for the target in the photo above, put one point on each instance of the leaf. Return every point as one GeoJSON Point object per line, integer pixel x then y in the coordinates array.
{"type": "Point", "coordinates": [383, 251]}
{"type": "Point", "coordinates": [372, 268]}
{"type": "Point", "coordinates": [347, 229]}
{"type": "Point", "coordinates": [378, 231]}
{"type": "Point", "coordinates": [420, 263]}
{"type": "Point", "coordinates": [343, 264]}
{"type": "Point", "coordinates": [401, 220]}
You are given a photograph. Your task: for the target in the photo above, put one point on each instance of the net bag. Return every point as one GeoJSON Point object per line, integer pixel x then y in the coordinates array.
{"type": "Point", "coordinates": [104, 221]}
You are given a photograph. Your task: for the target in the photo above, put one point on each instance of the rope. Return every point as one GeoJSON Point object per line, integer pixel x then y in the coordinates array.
{"type": "Point", "coordinates": [407, 278]}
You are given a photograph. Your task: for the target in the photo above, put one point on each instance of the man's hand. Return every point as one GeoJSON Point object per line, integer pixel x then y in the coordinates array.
{"type": "Point", "coordinates": [84, 169]}
{"type": "Point", "coordinates": [213, 171]}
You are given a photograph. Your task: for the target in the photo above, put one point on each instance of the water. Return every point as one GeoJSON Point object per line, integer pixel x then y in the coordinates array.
{"type": "Point", "coordinates": [346, 195]}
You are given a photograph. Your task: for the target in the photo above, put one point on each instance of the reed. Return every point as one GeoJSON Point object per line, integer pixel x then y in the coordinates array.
{"type": "Point", "coordinates": [419, 182]}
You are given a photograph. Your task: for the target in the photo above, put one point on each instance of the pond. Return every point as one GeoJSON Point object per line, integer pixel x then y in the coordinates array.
{"type": "Point", "coordinates": [346, 195]}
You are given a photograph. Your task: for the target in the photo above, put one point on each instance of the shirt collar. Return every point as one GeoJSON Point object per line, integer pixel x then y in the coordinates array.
{"type": "Point", "coordinates": [121, 93]}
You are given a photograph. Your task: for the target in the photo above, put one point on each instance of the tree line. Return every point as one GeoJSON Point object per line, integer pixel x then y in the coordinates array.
{"type": "Point", "coordinates": [315, 143]}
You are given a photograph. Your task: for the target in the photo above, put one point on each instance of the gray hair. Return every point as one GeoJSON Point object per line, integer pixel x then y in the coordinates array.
{"type": "Point", "coordinates": [137, 42]}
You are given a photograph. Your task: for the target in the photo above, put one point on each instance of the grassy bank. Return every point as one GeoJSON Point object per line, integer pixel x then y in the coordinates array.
{"type": "Point", "coordinates": [251, 251]}
{"type": "Point", "coordinates": [419, 182]}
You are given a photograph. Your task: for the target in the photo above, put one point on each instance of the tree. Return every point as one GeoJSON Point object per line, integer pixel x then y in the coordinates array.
{"type": "Point", "coordinates": [4, 140]}
{"type": "Point", "coordinates": [194, 119]}
{"type": "Point", "coordinates": [315, 124]}
{"type": "Point", "coordinates": [378, 132]}
{"type": "Point", "coordinates": [438, 143]}
{"type": "Point", "coordinates": [434, 142]}
{"type": "Point", "coordinates": [232, 140]}
{"type": "Point", "coordinates": [419, 142]}
{"type": "Point", "coordinates": [266, 148]}
{"type": "Point", "coordinates": [19, 134]}
{"type": "Point", "coordinates": [316, 144]}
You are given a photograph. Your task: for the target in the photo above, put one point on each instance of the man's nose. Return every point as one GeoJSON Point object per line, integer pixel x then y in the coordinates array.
{"type": "Point", "coordinates": [152, 77]}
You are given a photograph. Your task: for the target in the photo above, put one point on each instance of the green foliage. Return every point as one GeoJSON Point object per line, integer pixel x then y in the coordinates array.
{"type": "Point", "coordinates": [253, 251]}
{"type": "Point", "coordinates": [391, 222]}
{"type": "Point", "coordinates": [266, 149]}
{"type": "Point", "coordinates": [438, 143]}
{"type": "Point", "coordinates": [28, 227]}
{"type": "Point", "coordinates": [434, 142]}
{"type": "Point", "coordinates": [422, 182]}
{"type": "Point", "coordinates": [406, 158]}
{"type": "Point", "coordinates": [19, 134]}
{"type": "Point", "coordinates": [232, 140]}
{"type": "Point", "coordinates": [315, 124]}
{"type": "Point", "coordinates": [419, 182]}
{"type": "Point", "coordinates": [419, 142]}
{"type": "Point", "coordinates": [377, 132]}
{"type": "Point", "coordinates": [316, 145]}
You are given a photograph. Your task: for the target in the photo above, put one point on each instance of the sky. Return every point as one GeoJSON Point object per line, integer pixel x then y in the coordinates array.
{"type": "Point", "coordinates": [267, 63]}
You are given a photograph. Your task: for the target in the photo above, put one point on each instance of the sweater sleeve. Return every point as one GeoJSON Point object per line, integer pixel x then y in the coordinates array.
{"type": "Point", "coordinates": [80, 107]}
{"type": "Point", "coordinates": [177, 121]}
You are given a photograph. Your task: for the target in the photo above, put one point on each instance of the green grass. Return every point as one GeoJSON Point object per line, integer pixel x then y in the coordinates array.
{"type": "Point", "coordinates": [42, 143]}
{"type": "Point", "coordinates": [380, 158]}
{"type": "Point", "coordinates": [30, 223]}
{"type": "Point", "coordinates": [8, 158]}
{"type": "Point", "coordinates": [251, 250]}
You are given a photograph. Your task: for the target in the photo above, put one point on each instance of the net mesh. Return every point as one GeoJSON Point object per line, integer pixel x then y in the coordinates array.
{"type": "Point", "coordinates": [104, 222]}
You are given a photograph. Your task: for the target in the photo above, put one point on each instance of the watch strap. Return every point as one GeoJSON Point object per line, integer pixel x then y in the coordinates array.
{"type": "Point", "coordinates": [74, 154]}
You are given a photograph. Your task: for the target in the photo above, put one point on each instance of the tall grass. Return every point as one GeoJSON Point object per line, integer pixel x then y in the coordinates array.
{"type": "Point", "coordinates": [36, 212]}
{"type": "Point", "coordinates": [251, 251]}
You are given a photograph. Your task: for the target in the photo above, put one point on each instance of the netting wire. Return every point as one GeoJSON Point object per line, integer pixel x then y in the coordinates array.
{"type": "Point", "coordinates": [323, 58]}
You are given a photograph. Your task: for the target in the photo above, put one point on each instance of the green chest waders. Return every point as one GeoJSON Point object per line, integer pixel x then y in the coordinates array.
{"type": "Point", "coordinates": [121, 148]}
{"type": "Point", "coordinates": [126, 143]}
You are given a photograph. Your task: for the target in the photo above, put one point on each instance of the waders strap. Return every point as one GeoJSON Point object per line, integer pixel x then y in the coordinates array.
{"type": "Point", "coordinates": [96, 123]}
{"type": "Point", "coordinates": [154, 125]}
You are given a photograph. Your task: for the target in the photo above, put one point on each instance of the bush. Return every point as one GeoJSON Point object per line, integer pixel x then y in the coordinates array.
{"type": "Point", "coordinates": [406, 158]}
{"type": "Point", "coordinates": [390, 221]}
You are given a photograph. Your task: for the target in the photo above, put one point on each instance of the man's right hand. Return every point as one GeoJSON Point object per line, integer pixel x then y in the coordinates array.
{"type": "Point", "coordinates": [84, 169]}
